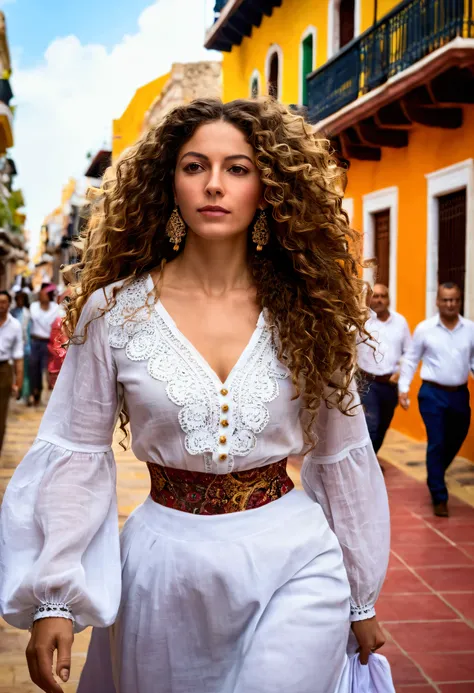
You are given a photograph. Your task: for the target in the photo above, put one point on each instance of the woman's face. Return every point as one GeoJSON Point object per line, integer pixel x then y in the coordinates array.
{"type": "Point", "coordinates": [217, 185]}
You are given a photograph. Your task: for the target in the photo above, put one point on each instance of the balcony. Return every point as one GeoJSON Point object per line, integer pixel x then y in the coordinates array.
{"type": "Point", "coordinates": [236, 20]}
{"type": "Point", "coordinates": [415, 65]}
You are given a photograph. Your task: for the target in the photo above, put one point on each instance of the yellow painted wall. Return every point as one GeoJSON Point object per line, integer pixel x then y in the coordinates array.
{"type": "Point", "coordinates": [285, 27]}
{"type": "Point", "coordinates": [429, 149]}
{"type": "Point", "coordinates": [127, 129]}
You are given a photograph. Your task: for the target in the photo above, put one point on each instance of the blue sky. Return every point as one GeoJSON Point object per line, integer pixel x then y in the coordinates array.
{"type": "Point", "coordinates": [32, 24]}
{"type": "Point", "coordinates": [76, 65]}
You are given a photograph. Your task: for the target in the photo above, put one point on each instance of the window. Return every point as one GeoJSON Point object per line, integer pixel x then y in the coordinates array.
{"type": "Point", "coordinates": [254, 84]}
{"type": "Point", "coordinates": [346, 22]}
{"type": "Point", "coordinates": [445, 220]}
{"type": "Point", "coordinates": [452, 238]}
{"type": "Point", "coordinates": [380, 225]}
{"type": "Point", "coordinates": [344, 18]}
{"type": "Point", "coordinates": [382, 246]}
{"type": "Point", "coordinates": [273, 76]}
{"type": "Point", "coordinates": [307, 65]}
{"type": "Point", "coordinates": [254, 88]}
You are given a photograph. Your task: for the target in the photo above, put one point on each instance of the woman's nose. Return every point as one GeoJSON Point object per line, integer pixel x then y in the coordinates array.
{"type": "Point", "coordinates": [215, 184]}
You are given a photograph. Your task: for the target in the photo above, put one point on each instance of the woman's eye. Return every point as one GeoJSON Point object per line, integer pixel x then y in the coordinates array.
{"type": "Point", "coordinates": [240, 170]}
{"type": "Point", "coordinates": [193, 167]}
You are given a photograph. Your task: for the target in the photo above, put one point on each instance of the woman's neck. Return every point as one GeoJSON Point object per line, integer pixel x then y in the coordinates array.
{"type": "Point", "coordinates": [211, 267]}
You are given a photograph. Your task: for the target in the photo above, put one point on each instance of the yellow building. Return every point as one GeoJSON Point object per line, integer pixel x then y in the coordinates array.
{"type": "Point", "coordinates": [183, 83]}
{"type": "Point", "coordinates": [128, 128]}
{"type": "Point", "coordinates": [392, 85]}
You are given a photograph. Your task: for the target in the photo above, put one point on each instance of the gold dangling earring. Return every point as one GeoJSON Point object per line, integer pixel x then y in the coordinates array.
{"type": "Point", "coordinates": [261, 232]}
{"type": "Point", "coordinates": [175, 228]}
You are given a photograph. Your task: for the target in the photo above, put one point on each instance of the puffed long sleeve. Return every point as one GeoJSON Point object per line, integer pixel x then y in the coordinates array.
{"type": "Point", "coordinates": [59, 544]}
{"type": "Point", "coordinates": [343, 475]}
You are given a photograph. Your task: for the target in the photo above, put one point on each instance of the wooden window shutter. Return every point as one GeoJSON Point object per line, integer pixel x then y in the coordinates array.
{"type": "Point", "coordinates": [452, 238]}
{"type": "Point", "coordinates": [382, 246]}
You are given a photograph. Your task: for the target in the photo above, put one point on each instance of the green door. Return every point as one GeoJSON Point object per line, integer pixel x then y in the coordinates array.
{"type": "Point", "coordinates": [307, 65]}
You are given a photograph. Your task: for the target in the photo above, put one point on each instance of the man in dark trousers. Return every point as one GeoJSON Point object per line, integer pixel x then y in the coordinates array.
{"type": "Point", "coordinates": [445, 345]}
{"type": "Point", "coordinates": [379, 362]}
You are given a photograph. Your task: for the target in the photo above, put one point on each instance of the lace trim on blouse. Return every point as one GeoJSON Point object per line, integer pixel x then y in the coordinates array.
{"type": "Point", "coordinates": [52, 610]}
{"type": "Point", "coordinates": [135, 324]}
{"type": "Point", "coordinates": [359, 613]}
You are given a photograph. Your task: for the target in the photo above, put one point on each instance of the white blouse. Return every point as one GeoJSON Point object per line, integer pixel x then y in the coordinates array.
{"type": "Point", "coordinates": [59, 538]}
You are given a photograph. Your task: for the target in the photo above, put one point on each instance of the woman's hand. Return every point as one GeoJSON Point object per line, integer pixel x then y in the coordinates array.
{"type": "Point", "coordinates": [47, 635]}
{"type": "Point", "coordinates": [369, 636]}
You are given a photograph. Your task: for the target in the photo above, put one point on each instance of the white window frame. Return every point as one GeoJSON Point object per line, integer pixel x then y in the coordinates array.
{"type": "Point", "coordinates": [333, 25]}
{"type": "Point", "coordinates": [255, 75]}
{"type": "Point", "coordinates": [274, 48]}
{"type": "Point", "coordinates": [309, 31]}
{"type": "Point", "coordinates": [442, 182]}
{"type": "Point", "coordinates": [348, 207]}
{"type": "Point", "coordinates": [386, 198]}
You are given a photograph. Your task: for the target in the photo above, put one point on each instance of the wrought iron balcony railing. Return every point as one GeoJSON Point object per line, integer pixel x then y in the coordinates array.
{"type": "Point", "coordinates": [401, 38]}
{"type": "Point", "coordinates": [218, 7]}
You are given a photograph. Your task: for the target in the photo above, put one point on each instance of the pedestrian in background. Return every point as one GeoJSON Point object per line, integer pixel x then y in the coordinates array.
{"type": "Point", "coordinates": [379, 361]}
{"type": "Point", "coordinates": [43, 314]}
{"type": "Point", "coordinates": [445, 345]}
{"type": "Point", "coordinates": [11, 350]}
{"type": "Point", "coordinates": [22, 313]}
{"type": "Point", "coordinates": [57, 342]}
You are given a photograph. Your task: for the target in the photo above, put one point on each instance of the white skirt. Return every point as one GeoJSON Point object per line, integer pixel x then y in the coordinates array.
{"type": "Point", "coordinates": [249, 602]}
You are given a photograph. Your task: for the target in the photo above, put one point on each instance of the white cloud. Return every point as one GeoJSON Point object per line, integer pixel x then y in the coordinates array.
{"type": "Point", "coordinates": [65, 104]}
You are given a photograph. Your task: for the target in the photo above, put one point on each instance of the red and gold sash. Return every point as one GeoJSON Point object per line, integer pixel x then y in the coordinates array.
{"type": "Point", "coordinates": [214, 494]}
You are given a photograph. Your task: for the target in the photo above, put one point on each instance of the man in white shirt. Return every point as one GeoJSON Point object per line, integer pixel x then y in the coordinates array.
{"type": "Point", "coordinates": [445, 345]}
{"type": "Point", "coordinates": [43, 313]}
{"type": "Point", "coordinates": [11, 349]}
{"type": "Point", "coordinates": [379, 361]}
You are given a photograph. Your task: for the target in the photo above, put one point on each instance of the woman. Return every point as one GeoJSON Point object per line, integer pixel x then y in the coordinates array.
{"type": "Point", "coordinates": [21, 312]}
{"type": "Point", "coordinates": [217, 307]}
{"type": "Point", "coordinates": [57, 342]}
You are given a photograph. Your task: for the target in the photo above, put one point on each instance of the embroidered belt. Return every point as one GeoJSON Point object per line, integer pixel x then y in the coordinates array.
{"type": "Point", "coordinates": [215, 494]}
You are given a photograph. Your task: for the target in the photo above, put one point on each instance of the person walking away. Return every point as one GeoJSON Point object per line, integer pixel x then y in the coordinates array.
{"type": "Point", "coordinates": [379, 362]}
{"type": "Point", "coordinates": [11, 349]}
{"type": "Point", "coordinates": [445, 345]}
{"type": "Point", "coordinates": [43, 314]}
{"type": "Point", "coordinates": [21, 311]}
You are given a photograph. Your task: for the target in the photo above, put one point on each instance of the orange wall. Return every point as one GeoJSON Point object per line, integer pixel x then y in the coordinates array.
{"type": "Point", "coordinates": [429, 149]}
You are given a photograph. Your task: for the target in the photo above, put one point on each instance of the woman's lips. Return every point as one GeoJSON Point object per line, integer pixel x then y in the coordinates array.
{"type": "Point", "coordinates": [213, 211]}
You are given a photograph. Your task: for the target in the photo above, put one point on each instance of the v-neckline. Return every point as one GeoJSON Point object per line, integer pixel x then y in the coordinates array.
{"type": "Point", "coordinates": [247, 350]}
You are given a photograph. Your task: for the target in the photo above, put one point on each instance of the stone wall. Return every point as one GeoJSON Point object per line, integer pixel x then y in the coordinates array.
{"type": "Point", "coordinates": [187, 81]}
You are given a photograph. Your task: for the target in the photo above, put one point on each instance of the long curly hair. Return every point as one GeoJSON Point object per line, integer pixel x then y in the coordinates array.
{"type": "Point", "coordinates": [307, 277]}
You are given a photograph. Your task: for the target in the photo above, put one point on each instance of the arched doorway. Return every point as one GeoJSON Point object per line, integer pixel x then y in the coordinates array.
{"type": "Point", "coordinates": [274, 75]}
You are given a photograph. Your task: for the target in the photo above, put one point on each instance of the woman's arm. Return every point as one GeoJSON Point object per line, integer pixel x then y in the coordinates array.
{"type": "Point", "coordinates": [58, 528]}
{"type": "Point", "coordinates": [343, 475]}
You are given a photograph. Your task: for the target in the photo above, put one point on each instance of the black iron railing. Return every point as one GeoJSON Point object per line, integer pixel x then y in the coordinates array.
{"type": "Point", "coordinates": [220, 5]}
{"type": "Point", "coordinates": [408, 33]}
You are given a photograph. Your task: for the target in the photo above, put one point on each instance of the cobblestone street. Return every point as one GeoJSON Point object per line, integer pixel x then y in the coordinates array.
{"type": "Point", "coordinates": [427, 605]}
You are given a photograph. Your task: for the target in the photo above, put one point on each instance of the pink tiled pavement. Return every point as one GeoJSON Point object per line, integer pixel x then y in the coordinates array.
{"type": "Point", "coordinates": [427, 604]}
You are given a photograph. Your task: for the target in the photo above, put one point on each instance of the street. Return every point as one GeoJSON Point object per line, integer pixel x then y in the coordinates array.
{"type": "Point", "coordinates": [427, 604]}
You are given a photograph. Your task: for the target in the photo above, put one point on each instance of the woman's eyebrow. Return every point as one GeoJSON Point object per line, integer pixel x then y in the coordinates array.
{"type": "Point", "coordinates": [198, 155]}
